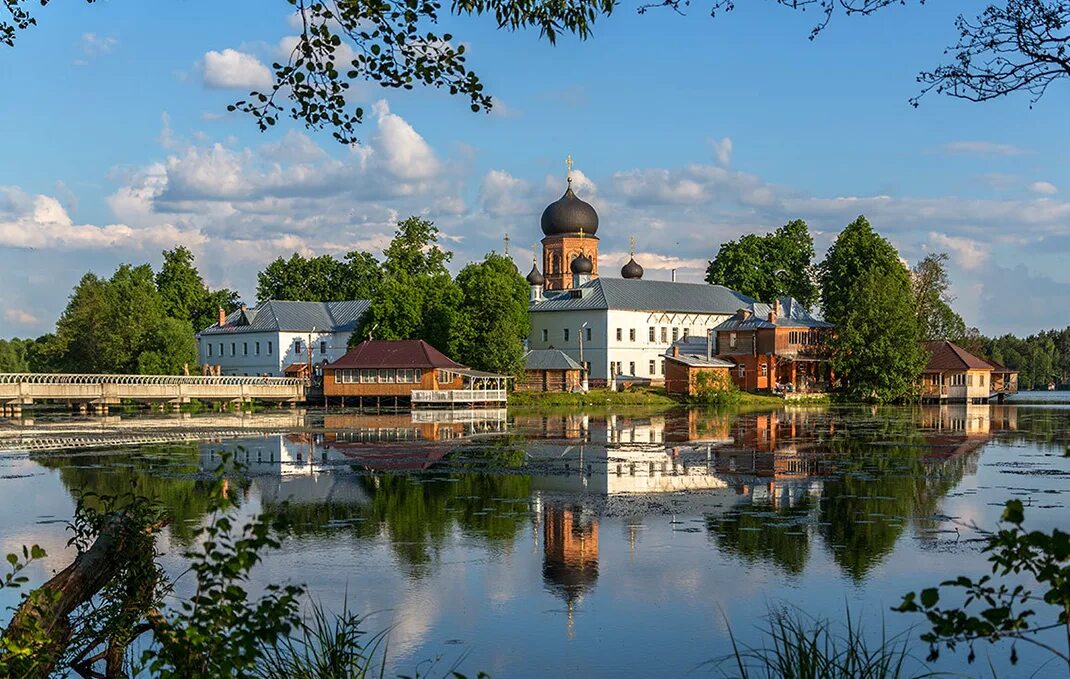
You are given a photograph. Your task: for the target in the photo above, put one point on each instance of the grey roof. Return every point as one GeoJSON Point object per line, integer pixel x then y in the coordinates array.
{"type": "Point", "coordinates": [640, 295]}
{"type": "Point", "coordinates": [549, 359]}
{"type": "Point", "coordinates": [280, 315]}
{"type": "Point", "coordinates": [792, 315]}
{"type": "Point", "coordinates": [693, 352]}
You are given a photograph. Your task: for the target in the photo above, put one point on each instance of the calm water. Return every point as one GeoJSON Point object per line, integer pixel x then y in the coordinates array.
{"type": "Point", "coordinates": [582, 544]}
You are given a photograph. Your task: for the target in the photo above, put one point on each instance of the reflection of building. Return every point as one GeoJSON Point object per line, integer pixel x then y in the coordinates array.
{"type": "Point", "coordinates": [570, 553]}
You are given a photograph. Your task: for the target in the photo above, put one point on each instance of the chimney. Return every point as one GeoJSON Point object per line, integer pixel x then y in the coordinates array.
{"type": "Point", "coordinates": [773, 313]}
{"type": "Point", "coordinates": [744, 314]}
{"type": "Point", "coordinates": [674, 275]}
{"type": "Point", "coordinates": [222, 317]}
{"type": "Point", "coordinates": [676, 351]}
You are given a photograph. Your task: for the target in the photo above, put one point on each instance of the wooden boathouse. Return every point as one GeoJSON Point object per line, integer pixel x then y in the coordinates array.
{"type": "Point", "coordinates": [408, 372]}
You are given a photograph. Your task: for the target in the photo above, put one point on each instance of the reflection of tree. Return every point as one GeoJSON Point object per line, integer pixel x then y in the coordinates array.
{"type": "Point", "coordinates": [417, 514]}
{"type": "Point", "coordinates": [764, 533]}
{"type": "Point", "coordinates": [165, 474]}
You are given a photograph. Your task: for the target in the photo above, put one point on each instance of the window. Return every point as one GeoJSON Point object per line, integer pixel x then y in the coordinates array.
{"type": "Point", "coordinates": [620, 334]}
{"type": "Point", "coordinates": [565, 331]}
{"type": "Point", "coordinates": [675, 334]}
{"type": "Point", "coordinates": [297, 346]}
{"type": "Point", "coordinates": [664, 335]}
{"type": "Point", "coordinates": [588, 334]}
{"type": "Point", "coordinates": [244, 348]}
{"type": "Point", "coordinates": [209, 349]}
{"type": "Point", "coordinates": [418, 376]}
{"type": "Point", "coordinates": [764, 369]}
{"type": "Point", "coordinates": [663, 367]}
{"type": "Point", "coordinates": [631, 334]}
{"type": "Point", "coordinates": [258, 348]}
{"type": "Point", "coordinates": [982, 382]}
{"type": "Point", "coordinates": [386, 376]}
{"type": "Point", "coordinates": [233, 349]}
{"type": "Point", "coordinates": [969, 380]}
{"type": "Point", "coordinates": [687, 332]}
{"type": "Point", "coordinates": [652, 367]}
{"type": "Point", "coordinates": [444, 377]}
{"type": "Point", "coordinates": [404, 376]}
{"type": "Point", "coordinates": [221, 354]}
{"type": "Point", "coordinates": [368, 376]}
{"type": "Point", "coordinates": [631, 368]}
{"type": "Point", "coordinates": [651, 329]}
{"type": "Point", "coordinates": [732, 340]}
{"type": "Point", "coordinates": [741, 371]}
{"type": "Point", "coordinates": [545, 335]}
{"type": "Point", "coordinates": [323, 348]}
{"type": "Point", "coordinates": [270, 348]}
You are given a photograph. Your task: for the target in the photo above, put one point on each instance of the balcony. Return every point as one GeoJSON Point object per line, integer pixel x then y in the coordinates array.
{"type": "Point", "coordinates": [450, 397]}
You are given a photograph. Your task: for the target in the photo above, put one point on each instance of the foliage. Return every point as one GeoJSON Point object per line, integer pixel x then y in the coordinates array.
{"type": "Point", "coordinates": [770, 266]}
{"type": "Point", "coordinates": [635, 396]}
{"type": "Point", "coordinates": [494, 309]}
{"type": "Point", "coordinates": [866, 293]}
{"type": "Point", "coordinates": [14, 355]}
{"type": "Point", "coordinates": [110, 324]}
{"type": "Point", "coordinates": [184, 295]}
{"type": "Point", "coordinates": [929, 283]}
{"type": "Point", "coordinates": [319, 279]}
{"type": "Point", "coordinates": [716, 389]}
{"type": "Point", "coordinates": [1040, 358]}
{"type": "Point", "coordinates": [1006, 609]}
{"type": "Point", "coordinates": [800, 647]}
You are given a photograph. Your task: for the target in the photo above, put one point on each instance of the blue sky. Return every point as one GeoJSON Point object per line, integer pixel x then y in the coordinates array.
{"type": "Point", "coordinates": [686, 131]}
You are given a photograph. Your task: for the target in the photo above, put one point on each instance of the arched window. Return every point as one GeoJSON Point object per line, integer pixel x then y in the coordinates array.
{"type": "Point", "coordinates": [556, 264]}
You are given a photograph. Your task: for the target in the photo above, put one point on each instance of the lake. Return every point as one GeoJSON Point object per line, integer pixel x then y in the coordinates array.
{"type": "Point", "coordinates": [528, 543]}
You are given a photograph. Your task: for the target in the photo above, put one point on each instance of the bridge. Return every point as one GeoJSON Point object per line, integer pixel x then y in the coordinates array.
{"type": "Point", "coordinates": [99, 392]}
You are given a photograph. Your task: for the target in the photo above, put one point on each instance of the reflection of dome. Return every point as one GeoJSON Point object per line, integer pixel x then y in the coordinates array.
{"type": "Point", "coordinates": [570, 552]}
{"type": "Point", "coordinates": [582, 264]}
{"type": "Point", "coordinates": [569, 215]}
{"type": "Point", "coordinates": [631, 269]}
{"type": "Point", "coordinates": [534, 277]}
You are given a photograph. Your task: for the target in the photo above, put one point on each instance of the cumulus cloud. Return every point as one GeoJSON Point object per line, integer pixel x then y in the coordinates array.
{"type": "Point", "coordinates": [501, 194]}
{"type": "Point", "coordinates": [1043, 188]}
{"type": "Point", "coordinates": [20, 317]}
{"type": "Point", "coordinates": [231, 68]}
{"type": "Point", "coordinates": [722, 150]}
{"type": "Point", "coordinates": [405, 153]}
{"type": "Point", "coordinates": [977, 147]}
{"type": "Point", "coordinates": [966, 252]}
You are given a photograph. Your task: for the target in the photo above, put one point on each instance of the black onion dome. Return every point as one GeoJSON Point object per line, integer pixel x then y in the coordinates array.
{"type": "Point", "coordinates": [534, 277]}
{"type": "Point", "coordinates": [582, 264]}
{"type": "Point", "coordinates": [568, 215]}
{"type": "Point", "coordinates": [631, 269]}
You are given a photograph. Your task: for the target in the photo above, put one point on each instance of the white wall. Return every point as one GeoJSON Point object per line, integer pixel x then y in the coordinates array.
{"type": "Point", "coordinates": [240, 356]}
{"type": "Point", "coordinates": [604, 348]}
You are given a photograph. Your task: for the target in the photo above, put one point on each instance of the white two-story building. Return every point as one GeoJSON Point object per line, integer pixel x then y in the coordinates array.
{"type": "Point", "coordinates": [277, 334]}
{"type": "Point", "coordinates": [626, 325]}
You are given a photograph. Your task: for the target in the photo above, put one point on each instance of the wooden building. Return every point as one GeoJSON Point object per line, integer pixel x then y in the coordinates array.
{"type": "Point", "coordinates": [408, 371]}
{"type": "Point", "coordinates": [550, 370]}
{"type": "Point", "coordinates": [687, 361]}
{"type": "Point", "coordinates": [955, 375]}
{"type": "Point", "coordinates": [777, 346]}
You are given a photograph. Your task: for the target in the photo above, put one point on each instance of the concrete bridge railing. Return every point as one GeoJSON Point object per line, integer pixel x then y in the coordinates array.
{"type": "Point", "coordinates": [19, 389]}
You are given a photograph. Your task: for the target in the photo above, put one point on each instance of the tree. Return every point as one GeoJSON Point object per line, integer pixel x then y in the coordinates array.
{"type": "Point", "coordinates": [770, 266]}
{"type": "Point", "coordinates": [1021, 45]}
{"type": "Point", "coordinates": [866, 291]}
{"type": "Point", "coordinates": [319, 279]}
{"type": "Point", "coordinates": [183, 292]}
{"type": "Point", "coordinates": [930, 285]}
{"type": "Point", "coordinates": [494, 309]}
{"type": "Point", "coordinates": [877, 347]}
{"type": "Point", "coordinates": [13, 355]}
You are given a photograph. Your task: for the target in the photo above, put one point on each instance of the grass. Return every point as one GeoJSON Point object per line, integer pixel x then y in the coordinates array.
{"type": "Point", "coordinates": [595, 397]}
{"type": "Point", "coordinates": [796, 646]}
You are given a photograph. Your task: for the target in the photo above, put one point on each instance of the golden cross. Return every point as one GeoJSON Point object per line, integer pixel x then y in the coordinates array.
{"type": "Point", "coordinates": [632, 241]}
{"type": "Point", "coordinates": [534, 253]}
{"type": "Point", "coordinates": [506, 243]}
{"type": "Point", "coordinates": [568, 162]}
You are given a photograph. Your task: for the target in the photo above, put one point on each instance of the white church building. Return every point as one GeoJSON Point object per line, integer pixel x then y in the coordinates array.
{"type": "Point", "coordinates": [613, 326]}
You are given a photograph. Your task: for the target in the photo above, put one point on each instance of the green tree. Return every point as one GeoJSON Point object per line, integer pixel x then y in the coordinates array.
{"type": "Point", "coordinates": [877, 347]}
{"type": "Point", "coordinates": [857, 250]}
{"type": "Point", "coordinates": [494, 307]}
{"type": "Point", "coordinates": [770, 266]}
{"type": "Point", "coordinates": [14, 355]}
{"type": "Point", "coordinates": [930, 284]}
{"type": "Point", "coordinates": [185, 296]}
{"type": "Point", "coordinates": [319, 279]}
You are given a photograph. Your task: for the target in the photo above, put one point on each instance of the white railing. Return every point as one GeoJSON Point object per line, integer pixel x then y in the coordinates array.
{"type": "Point", "coordinates": [458, 395]}
{"type": "Point", "coordinates": [79, 378]}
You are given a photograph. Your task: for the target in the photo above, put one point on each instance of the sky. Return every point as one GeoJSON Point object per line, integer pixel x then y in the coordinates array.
{"type": "Point", "coordinates": [686, 131]}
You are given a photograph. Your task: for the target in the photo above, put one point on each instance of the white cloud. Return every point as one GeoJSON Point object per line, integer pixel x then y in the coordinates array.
{"type": "Point", "coordinates": [1043, 188]}
{"type": "Point", "coordinates": [20, 317]}
{"type": "Point", "coordinates": [231, 68]}
{"type": "Point", "coordinates": [405, 153]}
{"type": "Point", "coordinates": [977, 147]}
{"type": "Point", "coordinates": [722, 150]}
{"type": "Point", "coordinates": [966, 252]}
{"type": "Point", "coordinates": [93, 45]}
{"type": "Point", "coordinates": [500, 194]}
